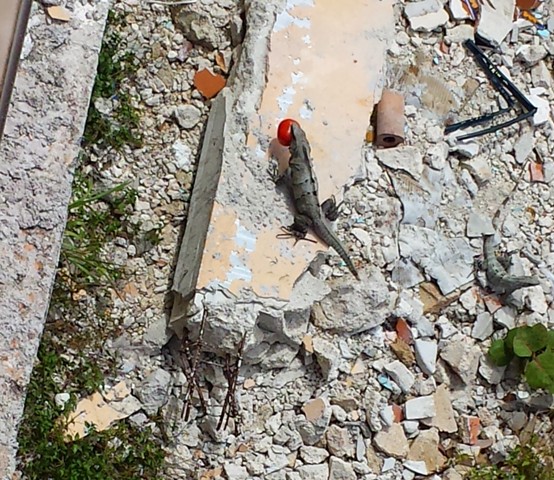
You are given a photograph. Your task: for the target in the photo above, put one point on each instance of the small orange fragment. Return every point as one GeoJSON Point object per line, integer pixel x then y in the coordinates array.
{"type": "Point", "coordinates": [208, 84]}
{"type": "Point", "coordinates": [404, 331]}
{"type": "Point", "coordinates": [536, 170]}
{"type": "Point", "coordinates": [527, 4]}
{"type": "Point", "coordinates": [398, 413]}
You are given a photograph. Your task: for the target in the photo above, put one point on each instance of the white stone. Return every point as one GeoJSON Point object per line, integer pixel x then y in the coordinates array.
{"type": "Point", "coordinates": [340, 470]}
{"type": "Point", "coordinates": [523, 147]}
{"type": "Point", "coordinates": [505, 316]}
{"type": "Point", "coordinates": [154, 390]}
{"type": "Point", "coordinates": [541, 76]}
{"type": "Point", "coordinates": [313, 472]}
{"type": "Point", "coordinates": [483, 327]}
{"type": "Point", "coordinates": [543, 109]}
{"type": "Point", "coordinates": [313, 455]}
{"type": "Point", "coordinates": [408, 475]}
{"type": "Point", "coordinates": [60, 399]}
{"type": "Point", "coordinates": [430, 21]}
{"type": "Point", "coordinates": [460, 33]}
{"type": "Point", "coordinates": [426, 355]}
{"type": "Point", "coordinates": [458, 11]}
{"type": "Point", "coordinates": [328, 357]}
{"type": "Point", "coordinates": [436, 155]}
{"type": "Point", "coordinates": [388, 464]}
{"type": "Point", "coordinates": [421, 407]}
{"type": "Point", "coordinates": [401, 375]}
{"type": "Point", "coordinates": [406, 158]}
{"type": "Point", "coordinates": [424, 327]}
{"type": "Point", "coordinates": [467, 149]}
{"type": "Point", "coordinates": [387, 415]}
{"type": "Point", "coordinates": [531, 54]}
{"type": "Point", "coordinates": [183, 156]}
{"type": "Point", "coordinates": [462, 355]}
{"type": "Point", "coordinates": [446, 328]}
{"type": "Point", "coordinates": [416, 466]}
{"type": "Point", "coordinates": [496, 20]}
{"type": "Point", "coordinates": [480, 169]}
{"type": "Point", "coordinates": [479, 225]}
{"type": "Point", "coordinates": [489, 371]}
{"type": "Point", "coordinates": [410, 427]}
{"type": "Point", "coordinates": [535, 299]}
{"type": "Point", "coordinates": [187, 116]}
{"type": "Point", "coordinates": [235, 472]}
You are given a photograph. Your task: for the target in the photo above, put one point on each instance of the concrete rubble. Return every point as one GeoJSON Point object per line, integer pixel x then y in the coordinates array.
{"type": "Point", "coordinates": [383, 378]}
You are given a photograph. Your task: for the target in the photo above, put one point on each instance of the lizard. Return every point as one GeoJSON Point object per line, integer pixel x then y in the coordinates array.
{"type": "Point", "coordinates": [499, 280]}
{"type": "Point", "coordinates": [309, 212]}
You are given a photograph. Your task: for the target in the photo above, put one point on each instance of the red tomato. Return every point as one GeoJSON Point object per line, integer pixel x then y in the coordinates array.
{"type": "Point", "coordinates": [284, 134]}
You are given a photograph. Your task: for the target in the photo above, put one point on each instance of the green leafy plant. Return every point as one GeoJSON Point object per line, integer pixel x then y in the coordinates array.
{"type": "Point", "coordinates": [123, 452]}
{"type": "Point", "coordinates": [95, 217]}
{"type": "Point", "coordinates": [120, 127]}
{"type": "Point", "coordinates": [525, 462]}
{"type": "Point", "coordinates": [535, 346]}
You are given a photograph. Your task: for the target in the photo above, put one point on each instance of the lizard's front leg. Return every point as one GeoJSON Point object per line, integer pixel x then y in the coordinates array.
{"type": "Point", "coordinates": [278, 178]}
{"type": "Point", "coordinates": [330, 208]}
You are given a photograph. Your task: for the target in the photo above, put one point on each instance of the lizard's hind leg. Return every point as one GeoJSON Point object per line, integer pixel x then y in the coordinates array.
{"type": "Point", "coordinates": [298, 229]}
{"type": "Point", "coordinates": [330, 208]}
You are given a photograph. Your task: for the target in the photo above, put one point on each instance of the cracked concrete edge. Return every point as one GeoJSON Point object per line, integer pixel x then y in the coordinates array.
{"type": "Point", "coordinates": [41, 141]}
{"type": "Point", "coordinates": [224, 141]}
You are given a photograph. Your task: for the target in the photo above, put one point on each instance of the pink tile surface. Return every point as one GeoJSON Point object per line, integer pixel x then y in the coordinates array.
{"type": "Point", "coordinates": [324, 68]}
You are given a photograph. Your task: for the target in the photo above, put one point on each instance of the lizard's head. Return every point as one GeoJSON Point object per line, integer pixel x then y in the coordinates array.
{"type": "Point", "coordinates": [299, 145]}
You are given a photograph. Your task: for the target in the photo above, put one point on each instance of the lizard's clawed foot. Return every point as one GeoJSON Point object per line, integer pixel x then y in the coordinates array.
{"type": "Point", "coordinates": [273, 172]}
{"type": "Point", "coordinates": [291, 232]}
{"type": "Point", "coordinates": [330, 208]}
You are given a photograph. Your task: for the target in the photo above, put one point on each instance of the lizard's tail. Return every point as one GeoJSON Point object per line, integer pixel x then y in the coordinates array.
{"type": "Point", "coordinates": [329, 237]}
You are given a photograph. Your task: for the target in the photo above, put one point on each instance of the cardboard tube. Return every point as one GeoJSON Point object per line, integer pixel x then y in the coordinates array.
{"type": "Point", "coordinates": [390, 120]}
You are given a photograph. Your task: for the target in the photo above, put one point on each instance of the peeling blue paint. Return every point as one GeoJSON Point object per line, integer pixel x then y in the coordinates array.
{"type": "Point", "coordinates": [245, 238]}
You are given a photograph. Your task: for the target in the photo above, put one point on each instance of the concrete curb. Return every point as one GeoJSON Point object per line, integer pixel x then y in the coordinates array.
{"type": "Point", "coordinates": [41, 142]}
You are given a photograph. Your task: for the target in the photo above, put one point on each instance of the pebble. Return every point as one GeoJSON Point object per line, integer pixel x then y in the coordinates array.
{"type": "Point", "coordinates": [339, 442]}
{"type": "Point", "coordinates": [463, 357]}
{"type": "Point", "coordinates": [421, 407]}
{"type": "Point", "coordinates": [313, 455]}
{"type": "Point", "coordinates": [327, 356]}
{"type": "Point", "coordinates": [400, 374]}
{"type": "Point", "coordinates": [61, 399]}
{"type": "Point", "coordinates": [406, 158]}
{"type": "Point", "coordinates": [187, 116]}
{"type": "Point", "coordinates": [425, 448]}
{"type": "Point", "coordinates": [154, 390]}
{"type": "Point", "coordinates": [313, 472]}
{"type": "Point", "coordinates": [483, 327]}
{"type": "Point", "coordinates": [444, 419]}
{"type": "Point", "coordinates": [531, 54]}
{"type": "Point", "coordinates": [388, 464]}
{"type": "Point", "coordinates": [392, 441]}
{"type": "Point", "coordinates": [523, 147]}
{"type": "Point", "coordinates": [235, 472]}
{"type": "Point", "coordinates": [426, 355]}
{"type": "Point", "coordinates": [341, 470]}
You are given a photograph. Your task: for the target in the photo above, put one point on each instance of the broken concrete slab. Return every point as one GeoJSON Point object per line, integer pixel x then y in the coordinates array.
{"type": "Point", "coordinates": [38, 157]}
{"type": "Point", "coordinates": [496, 20]}
{"type": "Point", "coordinates": [448, 260]}
{"type": "Point", "coordinates": [229, 255]}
